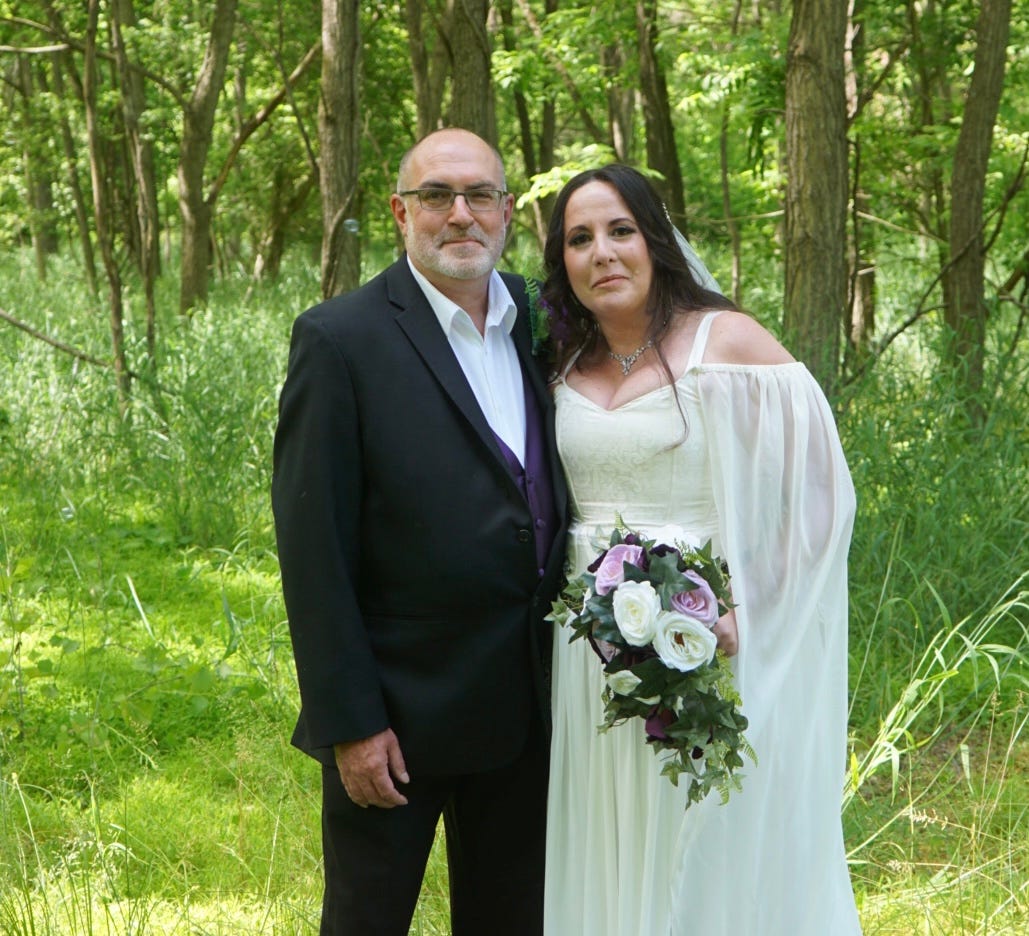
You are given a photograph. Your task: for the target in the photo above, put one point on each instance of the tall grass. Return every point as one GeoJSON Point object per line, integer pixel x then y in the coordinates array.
{"type": "Point", "coordinates": [146, 681]}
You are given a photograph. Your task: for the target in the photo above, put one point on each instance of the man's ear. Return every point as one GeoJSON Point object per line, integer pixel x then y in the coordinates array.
{"type": "Point", "coordinates": [399, 209]}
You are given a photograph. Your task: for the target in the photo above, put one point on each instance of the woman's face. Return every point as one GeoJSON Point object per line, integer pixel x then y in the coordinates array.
{"type": "Point", "coordinates": [605, 254]}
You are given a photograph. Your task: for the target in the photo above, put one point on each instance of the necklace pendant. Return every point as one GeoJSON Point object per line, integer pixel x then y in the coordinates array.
{"type": "Point", "coordinates": [626, 361]}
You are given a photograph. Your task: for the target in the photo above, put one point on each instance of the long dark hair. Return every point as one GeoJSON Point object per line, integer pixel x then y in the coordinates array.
{"type": "Point", "coordinates": [673, 289]}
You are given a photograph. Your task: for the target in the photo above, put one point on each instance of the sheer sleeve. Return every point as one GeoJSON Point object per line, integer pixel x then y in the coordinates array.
{"type": "Point", "coordinates": [785, 507]}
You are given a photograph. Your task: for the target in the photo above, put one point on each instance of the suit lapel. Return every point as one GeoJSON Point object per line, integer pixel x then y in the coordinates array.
{"type": "Point", "coordinates": [418, 322]}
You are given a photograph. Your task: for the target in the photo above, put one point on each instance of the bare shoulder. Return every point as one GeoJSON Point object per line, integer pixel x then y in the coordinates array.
{"type": "Point", "coordinates": [736, 338]}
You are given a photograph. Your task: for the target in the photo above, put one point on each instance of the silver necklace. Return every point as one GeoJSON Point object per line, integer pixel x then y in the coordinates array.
{"type": "Point", "coordinates": [627, 360]}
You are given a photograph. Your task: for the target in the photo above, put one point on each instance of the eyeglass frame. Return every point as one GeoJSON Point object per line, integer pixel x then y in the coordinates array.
{"type": "Point", "coordinates": [499, 195]}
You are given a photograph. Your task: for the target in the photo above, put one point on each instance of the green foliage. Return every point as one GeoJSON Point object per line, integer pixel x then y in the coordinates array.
{"type": "Point", "coordinates": [146, 680]}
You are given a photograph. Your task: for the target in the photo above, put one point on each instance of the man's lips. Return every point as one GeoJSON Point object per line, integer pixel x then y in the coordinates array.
{"type": "Point", "coordinates": [463, 239]}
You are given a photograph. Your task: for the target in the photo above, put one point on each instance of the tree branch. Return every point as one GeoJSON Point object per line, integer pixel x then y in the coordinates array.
{"type": "Point", "coordinates": [255, 122]}
{"type": "Point", "coordinates": [145, 379]}
{"type": "Point", "coordinates": [68, 42]}
{"type": "Point", "coordinates": [591, 125]}
{"type": "Point", "coordinates": [35, 50]}
{"type": "Point", "coordinates": [54, 343]}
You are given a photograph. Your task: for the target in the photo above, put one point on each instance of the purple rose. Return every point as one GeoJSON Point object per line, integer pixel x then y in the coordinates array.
{"type": "Point", "coordinates": [699, 602]}
{"type": "Point", "coordinates": [657, 721]}
{"type": "Point", "coordinates": [610, 573]}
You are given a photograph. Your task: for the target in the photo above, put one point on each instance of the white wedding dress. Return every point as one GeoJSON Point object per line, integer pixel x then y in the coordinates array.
{"type": "Point", "coordinates": [760, 473]}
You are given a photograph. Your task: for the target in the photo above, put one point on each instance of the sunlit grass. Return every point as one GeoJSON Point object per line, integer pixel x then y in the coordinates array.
{"type": "Point", "coordinates": [147, 691]}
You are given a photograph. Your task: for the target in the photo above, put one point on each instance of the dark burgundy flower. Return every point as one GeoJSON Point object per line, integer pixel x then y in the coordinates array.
{"type": "Point", "coordinates": [657, 721]}
{"type": "Point", "coordinates": [663, 549]}
{"type": "Point", "coordinates": [595, 564]}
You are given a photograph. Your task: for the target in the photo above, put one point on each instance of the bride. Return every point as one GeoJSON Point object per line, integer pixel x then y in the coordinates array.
{"type": "Point", "coordinates": [676, 410]}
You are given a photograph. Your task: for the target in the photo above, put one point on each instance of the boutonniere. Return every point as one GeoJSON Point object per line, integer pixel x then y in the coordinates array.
{"type": "Point", "coordinates": [539, 318]}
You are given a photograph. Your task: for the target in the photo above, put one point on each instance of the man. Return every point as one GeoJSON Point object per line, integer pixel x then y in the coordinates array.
{"type": "Point", "coordinates": [419, 512]}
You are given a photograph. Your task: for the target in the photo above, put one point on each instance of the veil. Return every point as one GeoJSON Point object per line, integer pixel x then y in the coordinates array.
{"type": "Point", "coordinates": [700, 272]}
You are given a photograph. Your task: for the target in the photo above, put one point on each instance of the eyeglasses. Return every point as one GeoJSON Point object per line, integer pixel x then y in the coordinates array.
{"type": "Point", "coordinates": [442, 199]}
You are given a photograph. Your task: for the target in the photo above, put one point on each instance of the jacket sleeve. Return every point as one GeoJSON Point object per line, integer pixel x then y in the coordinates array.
{"type": "Point", "coordinates": [316, 500]}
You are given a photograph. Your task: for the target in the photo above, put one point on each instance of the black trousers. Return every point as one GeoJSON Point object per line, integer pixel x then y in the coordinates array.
{"type": "Point", "coordinates": [495, 825]}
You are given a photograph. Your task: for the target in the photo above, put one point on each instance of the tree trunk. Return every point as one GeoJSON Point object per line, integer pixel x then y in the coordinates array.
{"type": "Point", "coordinates": [537, 152]}
{"type": "Point", "coordinates": [61, 61]}
{"type": "Point", "coordinates": [197, 125]}
{"type": "Point", "coordinates": [428, 70]}
{"type": "Point", "coordinates": [731, 226]}
{"type": "Point", "coordinates": [339, 132]}
{"type": "Point", "coordinates": [966, 307]}
{"type": "Point", "coordinates": [287, 203]}
{"type": "Point", "coordinates": [730, 222]}
{"type": "Point", "coordinates": [99, 166]}
{"type": "Point", "coordinates": [816, 189]}
{"type": "Point", "coordinates": [933, 95]}
{"type": "Point", "coordinates": [471, 93]}
{"type": "Point", "coordinates": [662, 152]}
{"type": "Point", "coordinates": [861, 268]}
{"type": "Point", "coordinates": [621, 102]}
{"type": "Point", "coordinates": [141, 151]}
{"type": "Point", "coordinates": [42, 226]}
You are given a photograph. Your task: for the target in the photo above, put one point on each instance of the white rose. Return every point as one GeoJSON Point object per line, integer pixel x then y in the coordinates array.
{"type": "Point", "coordinates": [623, 682]}
{"type": "Point", "coordinates": [636, 606]}
{"type": "Point", "coordinates": [682, 642]}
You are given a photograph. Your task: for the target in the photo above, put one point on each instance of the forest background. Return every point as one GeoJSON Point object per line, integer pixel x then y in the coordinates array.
{"type": "Point", "coordinates": [179, 179]}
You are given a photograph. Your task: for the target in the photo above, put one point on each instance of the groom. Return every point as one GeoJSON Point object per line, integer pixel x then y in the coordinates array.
{"type": "Point", "coordinates": [419, 510]}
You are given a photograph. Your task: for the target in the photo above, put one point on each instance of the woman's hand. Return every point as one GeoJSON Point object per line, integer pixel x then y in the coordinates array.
{"type": "Point", "coordinates": [727, 634]}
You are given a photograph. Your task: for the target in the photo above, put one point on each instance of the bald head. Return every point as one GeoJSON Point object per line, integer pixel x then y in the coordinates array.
{"type": "Point", "coordinates": [451, 143]}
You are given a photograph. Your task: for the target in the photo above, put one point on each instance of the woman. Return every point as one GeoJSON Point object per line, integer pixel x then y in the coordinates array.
{"type": "Point", "coordinates": [675, 410]}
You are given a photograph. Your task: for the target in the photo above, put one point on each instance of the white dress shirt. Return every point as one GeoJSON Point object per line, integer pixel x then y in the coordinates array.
{"type": "Point", "coordinates": [489, 361]}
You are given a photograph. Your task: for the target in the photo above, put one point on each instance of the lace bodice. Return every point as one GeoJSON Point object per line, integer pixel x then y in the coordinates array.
{"type": "Point", "coordinates": [642, 460]}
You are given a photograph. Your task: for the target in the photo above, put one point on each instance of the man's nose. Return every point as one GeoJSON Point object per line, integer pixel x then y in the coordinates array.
{"type": "Point", "coordinates": [460, 208]}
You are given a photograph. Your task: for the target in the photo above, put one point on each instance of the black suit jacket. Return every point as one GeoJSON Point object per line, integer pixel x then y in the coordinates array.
{"type": "Point", "coordinates": [410, 578]}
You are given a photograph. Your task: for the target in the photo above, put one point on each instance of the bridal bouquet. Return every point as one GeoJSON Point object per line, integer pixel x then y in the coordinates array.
{"type": "Point", "coordinates": [647, 609]}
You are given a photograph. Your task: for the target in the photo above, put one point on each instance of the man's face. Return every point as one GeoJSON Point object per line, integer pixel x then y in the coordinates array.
{"type": "Point", "coordinates": [455, 244]}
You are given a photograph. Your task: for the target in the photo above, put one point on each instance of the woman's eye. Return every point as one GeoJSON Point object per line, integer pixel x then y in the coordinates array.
{"type": "Point", "coordinates": [623, 230]}
{"type": "Point", "coordinates": [577, 240]}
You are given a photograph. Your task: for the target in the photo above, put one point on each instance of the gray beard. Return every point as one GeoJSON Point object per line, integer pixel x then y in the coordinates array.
{"type": "Point", "coordinates": [433, 257]}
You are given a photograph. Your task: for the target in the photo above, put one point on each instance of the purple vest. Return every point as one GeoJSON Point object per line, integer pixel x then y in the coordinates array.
{"type": "Point", "coordinates": [533, 478]}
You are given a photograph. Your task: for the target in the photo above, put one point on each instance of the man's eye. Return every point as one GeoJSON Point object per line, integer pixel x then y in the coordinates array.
{"type": "Point", "coordinates": [481, 199]}
{"type": "Point", "coordinates": [436, 198]}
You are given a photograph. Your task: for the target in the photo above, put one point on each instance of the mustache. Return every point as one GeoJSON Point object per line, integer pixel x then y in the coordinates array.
{"type": "Point", "coordinates": [454, 233]}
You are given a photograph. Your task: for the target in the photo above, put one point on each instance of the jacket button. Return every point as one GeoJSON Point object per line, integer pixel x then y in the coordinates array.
{"type": "Point", "coordinates": [524, 536]}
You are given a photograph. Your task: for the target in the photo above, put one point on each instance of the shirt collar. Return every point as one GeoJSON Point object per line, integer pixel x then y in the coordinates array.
{"type": "Point", "coordinates": [501, 311]}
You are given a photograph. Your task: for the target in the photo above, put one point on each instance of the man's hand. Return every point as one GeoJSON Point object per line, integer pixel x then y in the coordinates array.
{"type": "Point", "coordinates": [368, 768]}
{"type": "Point", "coordinates": [727, 634]}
